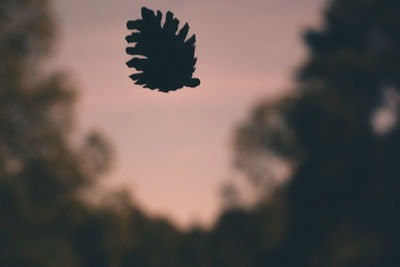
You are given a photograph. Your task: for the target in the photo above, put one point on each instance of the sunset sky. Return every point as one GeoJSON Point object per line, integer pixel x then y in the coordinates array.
{"type": "Point", "coordinates": [173, 150]}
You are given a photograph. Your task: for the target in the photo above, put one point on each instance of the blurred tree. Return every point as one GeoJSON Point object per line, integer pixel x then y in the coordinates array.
{"type": "Point", "coordinates": [343, 191]}
{"type": "Point", "coordinates": [44, 218]}
{"type": "Point", "coordinates": [41, 173]}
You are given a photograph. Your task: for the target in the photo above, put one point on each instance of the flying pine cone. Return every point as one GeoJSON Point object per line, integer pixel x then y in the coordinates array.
{"type": "Point", "coordinates": [165, 59]}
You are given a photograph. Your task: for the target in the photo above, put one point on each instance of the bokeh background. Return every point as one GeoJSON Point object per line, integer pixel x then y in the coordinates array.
{"type": "Point", "coordinates": [174, 150]}
{"type": "Point", "coordinates": [286, 154]}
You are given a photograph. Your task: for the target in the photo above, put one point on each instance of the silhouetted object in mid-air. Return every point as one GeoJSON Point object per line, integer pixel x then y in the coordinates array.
{"type": "Point", "coordinates": [165, 59]}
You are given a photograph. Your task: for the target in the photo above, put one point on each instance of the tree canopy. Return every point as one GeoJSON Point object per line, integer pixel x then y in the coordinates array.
{"type": "Point", "coordinates": [342, 192]}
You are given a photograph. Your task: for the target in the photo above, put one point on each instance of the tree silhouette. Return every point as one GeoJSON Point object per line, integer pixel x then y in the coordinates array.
{"type": "Point", "coordinates": [41, 174]}
{"type": "Point", "coordinates": [44, 218]}
{"type": "Point", "coordinates": [340, 199]}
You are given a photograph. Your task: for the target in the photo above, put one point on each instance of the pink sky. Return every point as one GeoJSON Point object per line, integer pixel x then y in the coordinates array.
{"type": "Point", "coordinates": [173, 150]}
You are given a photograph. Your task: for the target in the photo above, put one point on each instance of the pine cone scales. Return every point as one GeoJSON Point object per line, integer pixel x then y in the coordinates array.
{"type": "Point", "coordinates": [165, 60]}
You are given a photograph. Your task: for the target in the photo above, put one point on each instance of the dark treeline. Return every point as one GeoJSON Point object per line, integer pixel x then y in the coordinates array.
{"type": "Point", "coordinates": [338, 133]}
